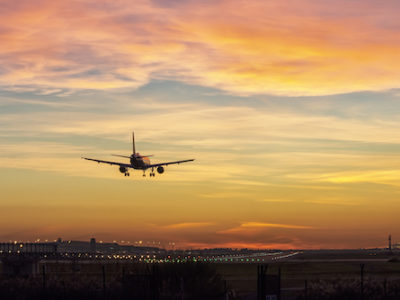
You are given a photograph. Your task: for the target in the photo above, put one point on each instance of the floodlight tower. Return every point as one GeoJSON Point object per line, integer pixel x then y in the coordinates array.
{"type": "Point", "coordinates": [390, 242]}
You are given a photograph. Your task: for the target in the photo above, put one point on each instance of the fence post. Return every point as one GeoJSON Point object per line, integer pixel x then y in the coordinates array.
{"type": "Point", "coordinates": [279, 283]}
{"type": "Point", "coordinates": [385, 288]}
{"type": "Point", "coordinates": [44, 277]}
{"type": "Point", "coordinates": [258, 282]}
{"type": "Point", "coordinates": [261, 271]}
{"type": "Point", "coordinates": [362, 281]}
{"type": "Point", "coordinates": [182, 289]}
{"type": "Point", "coordinates": [155, 282]}
{"type": "Point", "coordinates": [305, 290]}
{"type": "Point", "coordinates": [104, 280]}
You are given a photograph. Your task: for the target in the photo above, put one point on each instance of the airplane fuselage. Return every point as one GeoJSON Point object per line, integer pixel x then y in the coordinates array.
{"type": "Point", "coordinates": [139, 162]}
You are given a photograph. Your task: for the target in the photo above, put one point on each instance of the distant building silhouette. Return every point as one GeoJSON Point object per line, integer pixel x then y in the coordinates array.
{"type": "Point", "coordinates": [28, 248]}
{"type": "Point", "coordinates": [93, 245]}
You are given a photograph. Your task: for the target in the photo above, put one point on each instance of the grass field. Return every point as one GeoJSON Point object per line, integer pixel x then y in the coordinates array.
{"type": "Point", "coordinates": [315, 266]}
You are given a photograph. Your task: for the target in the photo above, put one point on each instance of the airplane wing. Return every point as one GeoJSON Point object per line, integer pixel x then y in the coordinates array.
{"type": "Point", "coordinates": [169, 163]}
{"type": "Point", "coordinates": [109, 162]}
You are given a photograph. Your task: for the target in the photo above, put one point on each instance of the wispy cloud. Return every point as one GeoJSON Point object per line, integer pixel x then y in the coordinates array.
{"type": "Point", "coordinates": [390, 177]}
{"type": "Point", "coordinates": [224, 195]}
{"type": "Point", "coordinates": [255, 227]}
{"type": "Point", "coordinates": [222, 139]}
{"type": "Point", "coordinates": [276, 200]}
{"type": "Point", "coordinates": [188, 225]}
{"type": "Point", "coordinates": [334, 202]}
{"type": "Point", "coordinates": [272, 225]}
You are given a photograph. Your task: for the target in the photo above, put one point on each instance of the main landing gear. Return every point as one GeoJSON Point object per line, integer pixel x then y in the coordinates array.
{"type": "Point", "coordinates": [152, 174]}
{"type": "Point", "coordinates": [126, 174]}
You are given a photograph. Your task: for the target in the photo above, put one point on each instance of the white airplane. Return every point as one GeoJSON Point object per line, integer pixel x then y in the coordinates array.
{"type": "Point", "coordinates": [138, 162]}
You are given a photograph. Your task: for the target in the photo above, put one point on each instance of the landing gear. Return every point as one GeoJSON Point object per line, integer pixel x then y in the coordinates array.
{"type": "Point", "coordinates": [152, 174]}
{"type": "Point", "coordinates": [126, 174]}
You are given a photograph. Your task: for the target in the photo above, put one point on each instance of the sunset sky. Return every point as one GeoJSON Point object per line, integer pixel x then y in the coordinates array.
{"type": "Point", "coordinates": [290, 108]}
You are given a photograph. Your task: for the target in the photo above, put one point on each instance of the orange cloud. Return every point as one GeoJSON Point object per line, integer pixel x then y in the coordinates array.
{"type": "Point", "coordinates": [272, 225]}
{"type": "Point", "coordinates": [254, 227]}
{"type": "Point", "coordinates": [305, 48]}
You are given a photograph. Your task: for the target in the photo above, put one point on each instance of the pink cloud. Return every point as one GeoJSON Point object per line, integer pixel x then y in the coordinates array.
{"type": "Point", "coordinates": [296, 48]}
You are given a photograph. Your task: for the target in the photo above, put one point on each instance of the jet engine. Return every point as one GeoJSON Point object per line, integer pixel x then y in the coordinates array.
{"type": "Point", "coordinates": [122, 169]}
{"type": "Point", "coordinates": [160, 170]}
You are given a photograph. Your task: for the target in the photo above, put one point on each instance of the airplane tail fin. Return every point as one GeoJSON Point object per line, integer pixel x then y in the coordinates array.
{"type": "Point", "coordinates": [133, 142]}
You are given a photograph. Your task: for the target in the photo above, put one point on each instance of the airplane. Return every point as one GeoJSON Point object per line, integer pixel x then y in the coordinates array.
{"type": "Point", "coordinates": [138, 162]}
